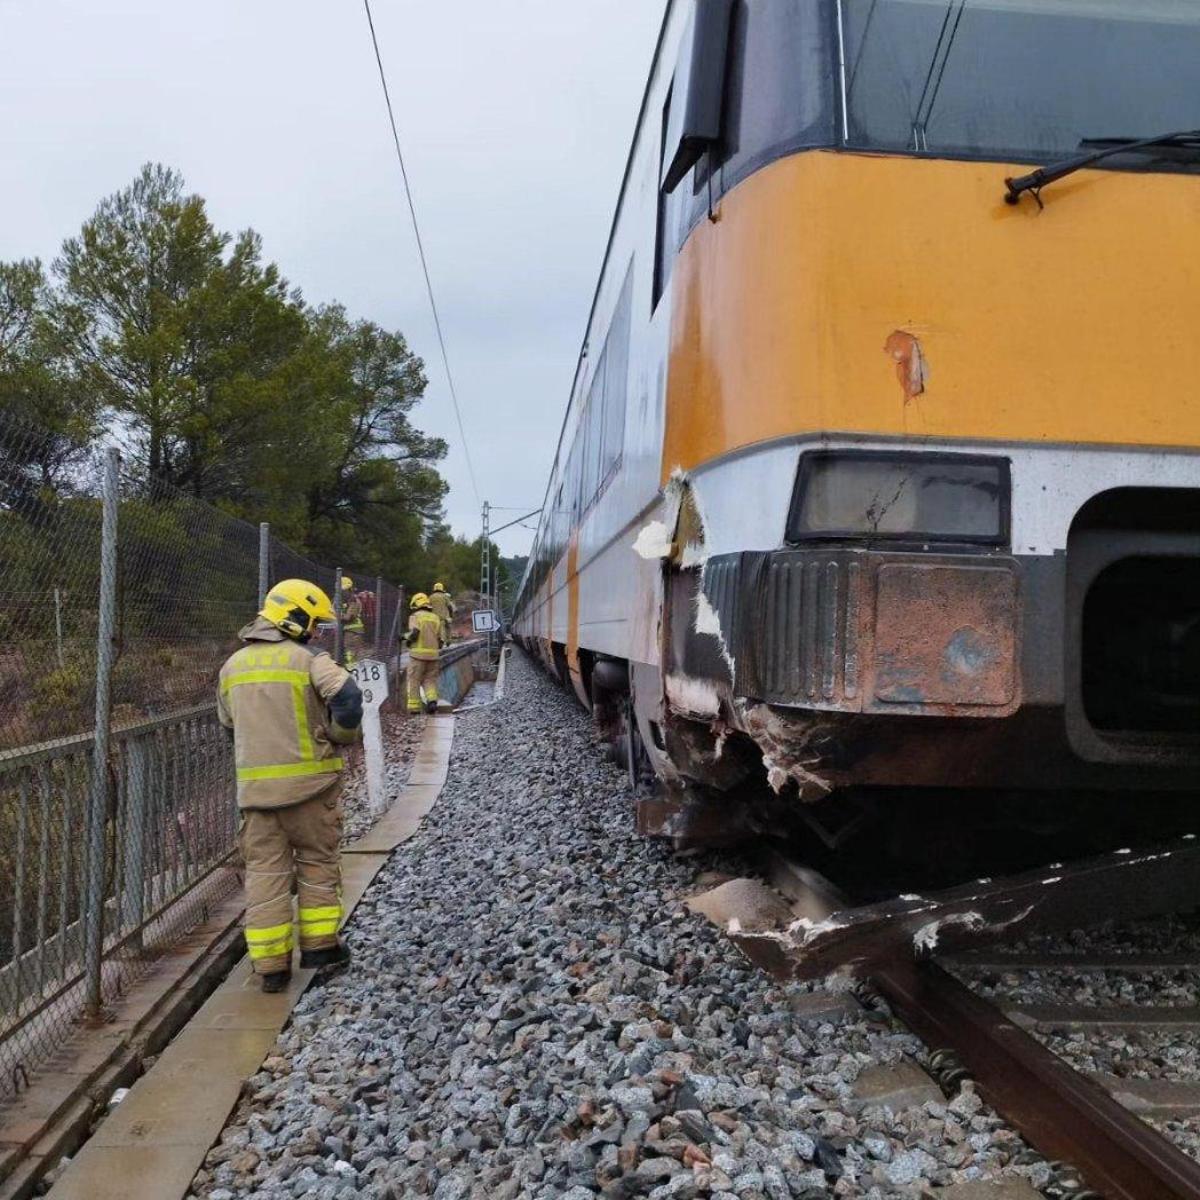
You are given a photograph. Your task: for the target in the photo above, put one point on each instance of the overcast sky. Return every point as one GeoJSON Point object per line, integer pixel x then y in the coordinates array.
{"type": "Point", "coordinates": [515, 117]}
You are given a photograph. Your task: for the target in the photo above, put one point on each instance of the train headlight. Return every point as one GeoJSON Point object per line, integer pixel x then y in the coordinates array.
{"type": "Point", "coordinates": [898, 496]}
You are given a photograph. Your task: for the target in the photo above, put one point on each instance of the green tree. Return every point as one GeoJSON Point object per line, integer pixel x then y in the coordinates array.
{"type": "Point", "coordinates": [49, 416]}
{"type": "Point", "coordinates": [221, 381]}
{"type": "Point", "coordinates": [381, 484]}
{"type": "Point", "coordinates": [183, 334]}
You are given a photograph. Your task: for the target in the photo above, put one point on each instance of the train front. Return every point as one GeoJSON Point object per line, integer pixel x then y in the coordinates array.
{"type": "Point", "coordinates": [933, 455]}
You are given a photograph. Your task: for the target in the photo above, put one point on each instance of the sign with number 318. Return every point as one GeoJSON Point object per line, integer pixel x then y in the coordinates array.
{"type": "Point", "coordinates": [372, 678]}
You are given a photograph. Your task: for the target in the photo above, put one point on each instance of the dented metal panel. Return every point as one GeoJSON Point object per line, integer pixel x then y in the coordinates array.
{"type": "Point", "coordinates": [945, 635]}
{"type": "Point", "coordinates": [856, 630]}
{"type": "Point", "coordinates": [807, 648]}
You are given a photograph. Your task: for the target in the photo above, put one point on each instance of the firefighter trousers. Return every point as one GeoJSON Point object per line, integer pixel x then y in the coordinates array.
{"type": "Point", "coordinates": [422, 673]}
{"type": "Point", "coordinates": [281, 845]}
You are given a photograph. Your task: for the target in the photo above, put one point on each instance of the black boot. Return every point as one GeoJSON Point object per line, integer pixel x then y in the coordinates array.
{"type": "Point", "coordinates": [276, 981]}
{"type": "Point", "coordinates": [327, 956]}
{"type": "Point", "coordinates": [431, 706]}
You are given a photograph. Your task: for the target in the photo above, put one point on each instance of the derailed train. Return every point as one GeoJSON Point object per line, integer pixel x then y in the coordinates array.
{"type": "Point", "coordinates": [877, 469]}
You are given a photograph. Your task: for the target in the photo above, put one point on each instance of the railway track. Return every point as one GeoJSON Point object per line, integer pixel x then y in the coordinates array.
{"type": "Point", "coordinates": [1089, 1126]}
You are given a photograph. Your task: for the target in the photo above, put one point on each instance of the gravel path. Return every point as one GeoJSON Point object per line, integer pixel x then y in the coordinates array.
{"type": "Point", "coordinates": [532, 1013]}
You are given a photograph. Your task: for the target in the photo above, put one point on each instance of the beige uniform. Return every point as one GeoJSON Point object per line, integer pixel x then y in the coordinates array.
{"type": "Point", "coordinates": [441, 604]}
{"type": "Point", "coordinates": [273, 694]}
{"type": "Point", "coordinates": [353, 630]}
{"type": "Point", "coordinates": [424, 640]}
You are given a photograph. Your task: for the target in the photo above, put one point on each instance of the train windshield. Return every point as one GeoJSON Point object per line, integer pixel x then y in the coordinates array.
{"type": "Point", "coordinates": [1018, 79]}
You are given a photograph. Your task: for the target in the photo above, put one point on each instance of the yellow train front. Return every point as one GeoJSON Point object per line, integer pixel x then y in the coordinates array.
{"type": "Point", "coordinates": [871, 477]}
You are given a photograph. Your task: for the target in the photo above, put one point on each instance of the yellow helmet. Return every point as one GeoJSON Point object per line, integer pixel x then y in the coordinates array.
{"type": "Point", "coordinates": [420, 600]}
{"type": "Point", "coordinates": [439, 587]}
{"type": "Point", "coordinates": [295, 606]}
{"type": "Point", "coordinates": [347, 583]}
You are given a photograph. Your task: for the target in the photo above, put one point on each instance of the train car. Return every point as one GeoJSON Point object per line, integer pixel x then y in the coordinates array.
{"type": "Point", "coordinates": [880, 466]}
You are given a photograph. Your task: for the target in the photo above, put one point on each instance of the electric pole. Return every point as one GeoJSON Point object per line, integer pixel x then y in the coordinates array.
{"type": "Point", "coordinates": [485, 566]}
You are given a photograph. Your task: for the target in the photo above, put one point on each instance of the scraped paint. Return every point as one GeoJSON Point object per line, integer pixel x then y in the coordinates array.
{"type": "Point", "coordinates": [653, 541]}
{"type": "Point", "coordinates": [696, 696]}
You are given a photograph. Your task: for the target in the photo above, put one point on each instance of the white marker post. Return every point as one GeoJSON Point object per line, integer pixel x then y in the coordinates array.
{"type": "Point", "coordinates": [372, 678]}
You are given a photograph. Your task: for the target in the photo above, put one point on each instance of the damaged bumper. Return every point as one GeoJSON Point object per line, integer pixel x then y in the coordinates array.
{"type": "Point", "coordinates": [864, 632]}
{"type": "Point", "coordinates": [886, 668]}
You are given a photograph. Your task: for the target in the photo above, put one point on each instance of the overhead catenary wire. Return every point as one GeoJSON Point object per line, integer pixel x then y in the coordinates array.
{"type": "Point", "coordinates": [412, 208]}
{"type": "Point", "coordinates": [518, 521]}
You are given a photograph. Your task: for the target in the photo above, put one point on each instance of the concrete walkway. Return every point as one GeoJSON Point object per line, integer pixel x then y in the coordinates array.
{"type": "Point", "coordinates": [154, 1142]}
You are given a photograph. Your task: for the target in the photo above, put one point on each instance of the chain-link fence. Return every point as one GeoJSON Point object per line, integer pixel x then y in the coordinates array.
{"type": "Point", "coordinates": [120, 597]}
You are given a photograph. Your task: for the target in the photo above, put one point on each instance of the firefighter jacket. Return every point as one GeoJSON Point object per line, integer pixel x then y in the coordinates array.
{"type": "Point", "coordinates": [352, 614]}
{"type": "Point", "coordinates": [424, 637]}
{"type": "Point", "coordinates": [273, 693]}
{"type": "Point", "coordinates": [441, 604]}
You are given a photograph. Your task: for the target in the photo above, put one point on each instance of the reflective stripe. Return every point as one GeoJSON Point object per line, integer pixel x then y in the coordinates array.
{"type": "Point", "coordinates": [290, 770]}
{"type": "Point", "coordinates": [270, 942]}
{"type": "Point", "coordinates": [237, 678]}
{"type": "Point", "coordinates": [307, 753]}
{"type": "Point", "coordinates": [268, 933]}
{"type": "Point", "coordinates": [320, 922]}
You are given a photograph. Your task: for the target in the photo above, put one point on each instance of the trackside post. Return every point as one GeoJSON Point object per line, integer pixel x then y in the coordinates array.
{"type": "Point", "coordinates": [371, 675]}
{"type": "Point", "coordinates": [98, 792]}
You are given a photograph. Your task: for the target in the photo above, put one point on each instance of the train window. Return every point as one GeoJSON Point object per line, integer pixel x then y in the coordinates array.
{"type": "Point", "coordinates": [900, 496]}
{"type": "Point", "coordinates": [560, 522]}
{"type": "Point", "coordinates": [780, 88]}
{"type": "Point", "coordinates": [780, 96]}
{"type": "Point", "coordinates": [593, 424]}
{"type": "Point", "coordinates": [699, 90]}
{"type": "Point", "coordinates": [574, 484]}
{"type": "Point", "coordinates": [664, 248]}
{"type": "Point", "coordinates": [1010, 79]}
{"type": "Point", "coordinates": [616, 381]}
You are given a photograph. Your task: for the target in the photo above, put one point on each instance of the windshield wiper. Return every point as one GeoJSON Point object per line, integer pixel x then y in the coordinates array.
{"type": "Point", "coordinates": [1036, 180]}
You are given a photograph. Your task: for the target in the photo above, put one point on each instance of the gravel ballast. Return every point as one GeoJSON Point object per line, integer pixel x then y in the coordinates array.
{"type": "Point", "coordinates": [401, 740]}
{"type": "Point", "coordinates": [532, 1012]}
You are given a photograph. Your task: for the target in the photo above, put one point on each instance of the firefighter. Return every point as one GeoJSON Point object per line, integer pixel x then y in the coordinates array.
{"type": "Point", "coordinates": [353, 629]}
{"type": "Point", "coordinates": [440, 602]}
{"type": "Point", "coordinates": [287, 707]}
{"type": "Point", "coordinates": [424, 640]}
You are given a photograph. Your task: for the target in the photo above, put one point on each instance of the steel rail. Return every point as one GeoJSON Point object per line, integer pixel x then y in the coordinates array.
{"type": "Point", "coordinates": [1064, 1115]}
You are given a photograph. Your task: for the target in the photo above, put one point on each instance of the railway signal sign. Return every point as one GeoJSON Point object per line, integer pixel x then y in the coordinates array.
{"type": "Point", "coordinates": [372, 678]}
{"type": "Point", "coordinates": [483, 620]}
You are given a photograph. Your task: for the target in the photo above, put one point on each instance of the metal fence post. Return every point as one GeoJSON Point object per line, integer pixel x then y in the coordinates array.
{"type": "Point", "coordinates": [378, 615]}
{"type": "Point", "coordinates": [98, 793]}
{"type": "Point", "coordinates": [339, 638]}
{"type": "Point", "coordinates": [58, 626]}
{"type": "Point", "coordinates": [133, 902]}
{"type": "Point", "coordinates": [393, 645]}
{"type": "Point", "coordinates": [397, 617]}
{"type": "Point", "coordinates": [264, 561]}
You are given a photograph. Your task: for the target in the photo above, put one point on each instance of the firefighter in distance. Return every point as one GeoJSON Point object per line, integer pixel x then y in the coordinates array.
{"type": "Point", "coordinates": [424, 639]}
{"type": "Point", "coordinates": [440, 602]}
{"type": "Point", "coordinates": [288, 708]}
{"type": "Point", "coordinates": [353, 629]}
